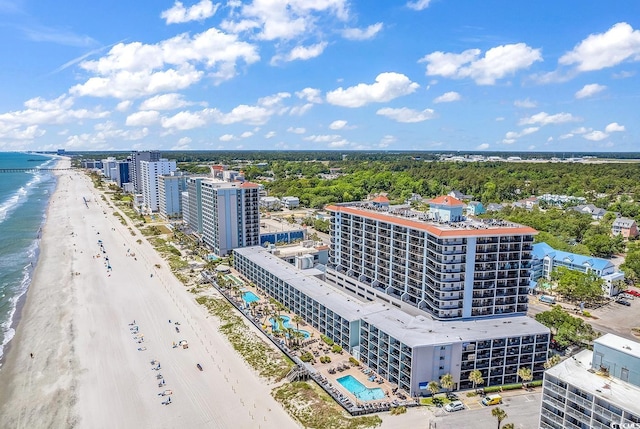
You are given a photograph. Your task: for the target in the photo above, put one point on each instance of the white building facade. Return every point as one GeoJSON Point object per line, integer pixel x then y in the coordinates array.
{"type": "Point", "coordinates": [150, 171]}
{"type": "Point", "coordinates": [230, 215]}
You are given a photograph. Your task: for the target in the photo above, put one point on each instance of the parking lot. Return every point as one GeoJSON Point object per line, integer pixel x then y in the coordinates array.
{"type": "Point", "coordinates": [523, 410]}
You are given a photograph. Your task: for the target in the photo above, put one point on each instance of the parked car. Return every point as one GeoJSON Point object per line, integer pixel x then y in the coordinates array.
{"type": "Point", "coordinates": [454, 406]}
{"type": "Point", "coordinates": [452, 396]}
{"type": "Point", "coordinates": [492, 400]}
{"type": "Point", "coordinates": [623, 302]}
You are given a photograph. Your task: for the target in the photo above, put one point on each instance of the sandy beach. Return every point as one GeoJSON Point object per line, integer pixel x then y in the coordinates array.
{"type": "Point", "coordinates": [91, 367]}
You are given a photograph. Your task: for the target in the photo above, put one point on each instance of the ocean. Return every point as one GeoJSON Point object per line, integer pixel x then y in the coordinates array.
{"type": "Point", "coordinates": [24, 197]}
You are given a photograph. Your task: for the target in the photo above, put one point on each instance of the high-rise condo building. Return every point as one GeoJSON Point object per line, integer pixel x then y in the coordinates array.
{"type": "Point", "coordinates": [170, 191]}
{"type": "Point", "coordinates": [150, 171]}
{"type": "Point", "coordinates": [135, 171]}
{"type": "Point", "coordinates": [439, 262]}
{"type": "Point", "coordinates": [230, 215]}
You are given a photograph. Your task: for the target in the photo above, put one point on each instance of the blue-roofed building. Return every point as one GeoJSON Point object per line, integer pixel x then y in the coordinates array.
{"type": "Point", "coordinates": [474, 208]}
{"type": "Point", "coordinates": [546, 259]}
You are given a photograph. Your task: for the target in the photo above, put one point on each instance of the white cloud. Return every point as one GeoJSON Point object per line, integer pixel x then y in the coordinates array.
{"type": "Point", "coordinates": [227, 138]}
{"type": "Point", "coordinates": [595, 136]}
{"type": "Point", "coordinates": [285, 19]}
{"type": "Point", "coordinates": [39, 111]}
{"type": "Point", "coordinates": [483, 146]}
{"type": "Point", "coordinates": [123, 106]}
{"type": "Point", "coordinates": [407, 115]}
{"type": "Point", "coordinates": [184, 121]}
{"type": "Point", "coordinates": [589, 90]}
{"type": "Point", "coordinates": [386, 87]}
{"type": "Point", "coordinates": [497, 63]}
{"type": "Point", "coordinates": [301, 53]}
{"type": "Point", "coordinates": [339, 143]}
{"type": "Point", "coordinates": [362, 34]}
{"type": "Point", "coordinates": [299, 130]}
{"type": "Point", "coordinates": [338, 124]}
{"type": "Point", "coordinates": [565, 136]}
{"type": "Point", "coordinates": [447, 97]}
{"type": "Point", "coordinates": [143, 118]}
{"type": "Point", "coordinates": [598, 51]}
{"type": "Point", "coordinates": [183, 144]}
{"type": "Point", "coordinates": [387, 140]}
{"type": "Point", "coordinates": [581, 130]}
{"type": "Point", "coordinates": [418, 4]}
{"type": "Point", "coordinates": [164, 102]}
{"type": "Point", "coordinates": [300, 110]}
{"type": "Point", "coordinates": [135, 69]}
{"type": "Point", "coordinates": [614, 127]}
{"type": "Point", "coordinates": [179, 14]}
{"type": "Point", "coordinates": [524, 132]}
{"type": "Point", "coordinates": [104, 134]}
{"type": "Point", "coordinates": [543, 118]}
{"type": "Point", "coordinates": [525, 104]}
{"type": "Point", "coordinates": [246, 134]}
{"type": "Point", "coordinates": [323, 138]}
{"type": "Point", "coordinates": [500, 119]}
{"type": "Point", "coordinates": [312, 95]}
{"type": "Point", "coordinates": [270, 135]}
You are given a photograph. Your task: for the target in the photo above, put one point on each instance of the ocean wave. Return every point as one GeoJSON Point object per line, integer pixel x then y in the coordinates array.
{"type": "Point", "coordinates": [6, 325]}
{"type": "Point", "coordinates": [18, 197]}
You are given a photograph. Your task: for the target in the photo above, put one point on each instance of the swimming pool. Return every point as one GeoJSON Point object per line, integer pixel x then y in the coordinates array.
{"type": "Point", "coordinates": [286, 322]}
{"type": "Point", "coordinates": [250, 297]}
{"type": "Point", "coordinates": [359, 390]}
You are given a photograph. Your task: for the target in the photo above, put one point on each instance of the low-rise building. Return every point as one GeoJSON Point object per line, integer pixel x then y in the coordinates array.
{"type": "Point", "coordinates": [597, 389]}
{"type": "Point", "coordinates": [625, 227]}
{"type": "Point", "coordinates": [596, 213]}
{"type": "Point", "coordinates": [546, 259]}
{"type": "Point", "coordinates": [290, 202]}
{"type": "Point", "coordinates": [408, 350]}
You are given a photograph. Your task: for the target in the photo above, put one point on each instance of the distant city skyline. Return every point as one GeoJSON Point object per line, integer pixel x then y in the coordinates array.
{"type": "Point", "coordinates": [432, 75]}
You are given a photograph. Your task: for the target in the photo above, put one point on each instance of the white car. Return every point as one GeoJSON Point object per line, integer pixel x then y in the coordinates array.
{"type": "Point", "coordinates": [454, 406]}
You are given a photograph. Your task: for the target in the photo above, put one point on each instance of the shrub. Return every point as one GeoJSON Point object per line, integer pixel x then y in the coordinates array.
{"type": "Point", "coordinates": [398, 410]}
{"type": "Point", "coordinates": [586, 314]}
{"type": "Point", "coordinates": [327, 340]}
{"type": "Point", "coordinates": [354, 361]}
{"type": "Point", "coordinates": [336, 349]}
{"type": "Point", "coordinates": [306, 357]}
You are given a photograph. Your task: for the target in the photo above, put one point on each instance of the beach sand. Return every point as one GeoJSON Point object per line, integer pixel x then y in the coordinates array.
{"type": "Point", "coordinates": [86, 370]}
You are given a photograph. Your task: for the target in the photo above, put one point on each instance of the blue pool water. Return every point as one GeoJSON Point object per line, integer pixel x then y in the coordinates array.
{"type": "Point", "coordinates": [286, 321]}
{"type": "Point", "coordinates": [359, 390]}
{"type": "Point", "coordinates": [250, 297]}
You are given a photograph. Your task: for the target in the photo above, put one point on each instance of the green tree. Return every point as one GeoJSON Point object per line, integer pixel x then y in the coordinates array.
{"type": "Point", "coordinates": [447, 382]}
{"type": "Point", "coordinates": [525, 374]}
{"type": "Point", "coordinates": [476, 377]}
{"type": "Point", "coordinates": [499, 414]}
{"type": "Point", "coordinates": [552, 361]}
{"type": "Point", "coordinates": [566, 328]}
{"type": "Point", "coordinates": [433, 387]}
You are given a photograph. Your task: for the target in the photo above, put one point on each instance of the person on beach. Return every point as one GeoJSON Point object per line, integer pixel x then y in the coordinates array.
{"type": "Point", "coordinates": [31, 354]}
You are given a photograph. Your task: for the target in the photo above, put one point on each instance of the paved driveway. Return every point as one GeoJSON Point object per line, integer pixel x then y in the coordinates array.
{"type": "Point", "coordinates": [523, 409]}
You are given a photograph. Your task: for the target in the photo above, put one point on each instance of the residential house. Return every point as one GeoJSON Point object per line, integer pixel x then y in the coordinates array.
{"type": "Point", "coordinates": [494, 207]}
{"type": "Point", "coordinates": [474, 208]}
{"type": "Point", "coordinates": [459, 195]}
{"type": "Point", "coordinates": [595, 212]}
{"type": "Point", "coordinates": [625, 227]}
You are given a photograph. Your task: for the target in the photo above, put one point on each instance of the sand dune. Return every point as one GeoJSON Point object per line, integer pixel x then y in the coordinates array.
{"type": "Point", "coordinates": [87, 370]}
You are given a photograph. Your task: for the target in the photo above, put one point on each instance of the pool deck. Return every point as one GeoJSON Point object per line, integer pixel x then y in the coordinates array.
{"type": "Point", "coordinates": [328, 373]}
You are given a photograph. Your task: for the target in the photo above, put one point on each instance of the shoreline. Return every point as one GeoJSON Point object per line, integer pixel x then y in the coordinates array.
{"type": "Point", "coordinates": [89, 368]}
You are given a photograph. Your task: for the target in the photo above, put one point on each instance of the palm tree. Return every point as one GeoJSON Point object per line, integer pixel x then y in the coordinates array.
{"type": "Point", "coordinates": [297, 320]}
{"type": "Point", "coordinates": [433, 387]}
{"type": "Point", "coordinates": [509, 426]}
{"type": "Point", "coordinates": [525, 374]}
{"type": "Point", "coordinates": [499, 414]}
{"type": "Point", "coordinates": [447, 382]}
{"type": "Point", "coordinates": [552, 361]}
{"type": "Point", "coordinates": [476, 377]}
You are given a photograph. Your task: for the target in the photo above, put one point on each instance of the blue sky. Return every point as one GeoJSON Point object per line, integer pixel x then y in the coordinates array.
{"type": "Point", "coordinates": [494, 75]}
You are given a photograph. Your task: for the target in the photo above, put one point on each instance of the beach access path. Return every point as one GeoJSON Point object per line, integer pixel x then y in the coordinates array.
{"type": "Point", "coordinates": [78, 321]}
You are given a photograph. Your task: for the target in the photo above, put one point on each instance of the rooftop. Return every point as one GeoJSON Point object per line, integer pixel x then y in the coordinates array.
{"type": "Point", "coordinates": [577, 372]}
{"type": "Point", "coordinates": [540, 250]}
{"type": "Point", "coordinates": [412, 330]}
{"type": "Point", "coordinates": [405, 216]}
{"type": "Point", "coordinates": [621, 344]}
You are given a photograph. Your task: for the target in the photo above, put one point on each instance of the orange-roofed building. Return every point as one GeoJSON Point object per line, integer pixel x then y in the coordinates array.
{"type": "Point", "coordinates": [438, 262]}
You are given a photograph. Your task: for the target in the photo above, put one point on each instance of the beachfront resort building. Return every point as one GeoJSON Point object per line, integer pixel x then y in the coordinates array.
{"type": "Point", "coordinates": [438, 262]}
{"type": "Point", "coordinates": [408, 350]}
{"type": "Point", "coordinates": [150, 171]}
{"type": "Point", "coordinates": [546, 259]}
{"type": "Point", "coordinates": [597, 389]}
{"type": "Point", "coordinates": [230, 215]}
{"type": "Point", "coordinates": [136, 158]}
{"type": "Point", "coordinates": [170, 190]}
{"type": "Point", "coordinates": [192, 204]}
